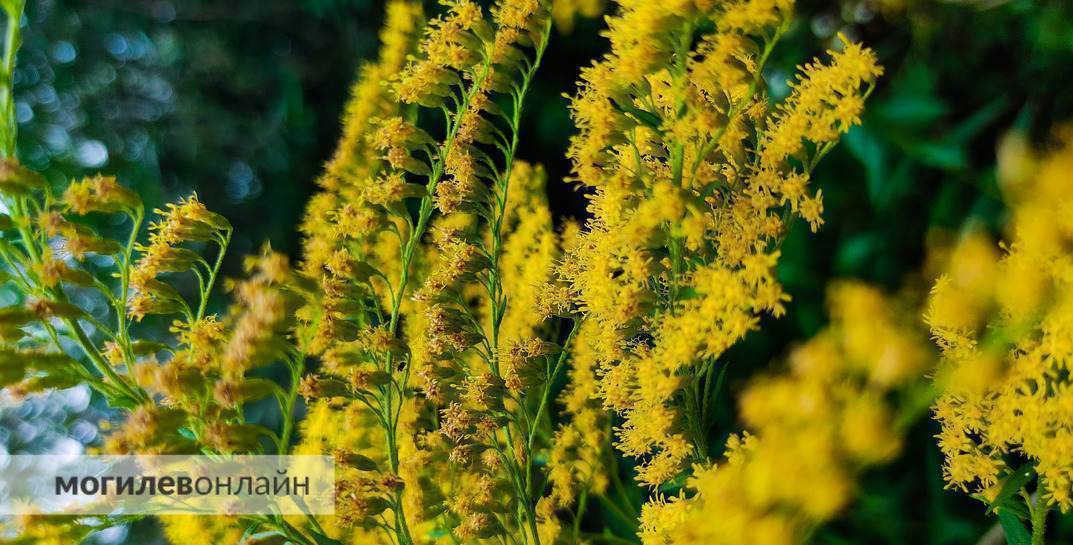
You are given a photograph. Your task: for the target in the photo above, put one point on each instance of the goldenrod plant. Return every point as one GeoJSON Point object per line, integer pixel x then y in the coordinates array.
{"type": "Point", "coordinates": [809, 431]}
{"type": "Point", "coordinates": [85, 290]}
{"type": "Point", "coordinates": [1000, 316]}
{"type": "Point", "coordinates": [429, 273]}
{"type": "Point", "coordinates": [696, 176]}
{"type": "Point", "coordinates": [482, 371]}
{"type": "Point", "coordinates": [429, 242]}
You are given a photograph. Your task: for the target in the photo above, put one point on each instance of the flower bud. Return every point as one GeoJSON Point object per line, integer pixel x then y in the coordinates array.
{"type": "Point", "coordinates": [45, 309]}
{"type": "Point", "coordinates": [100, 194]}
{"type": "Point", "coordinates": [17, 180]}
{"type": "Point", "coordinates": [232, 394]}
{"type": "Point", "coordinates": [229, 438]}
{"type": "Point", "coordinates": [82, 241]}
{"type": "Point", "coordinates": [315, 386]}
{"type": "Point", "coordinates": [355, 460]}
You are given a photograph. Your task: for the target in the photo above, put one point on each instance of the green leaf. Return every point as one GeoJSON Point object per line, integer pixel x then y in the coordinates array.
{"type": "Point", "coordinates": [1014, 482]}
{"type": "Point", "coordinates": [1017, 508]}
{"type": "Point", "coordinates": [920, 109]}
{"type": "Point", "coordinates": [688, 292]}
{"type": "Point", "coordinates": [946, 154]}
{"type": "Point", "coordinates": [645, 117]}
{"type": "Point", "coordinates": [325, 540]}
{"type": "Point", "coordinates": [1016, 533]}
{"type": "Point", "coordinates": [866, 146]}
{"type": "Point", "coordinates": [977, 122]}
{"type": "Point", "coordinates": [674, 484]}
{"type": "Point", "coordinates": [122, 401]}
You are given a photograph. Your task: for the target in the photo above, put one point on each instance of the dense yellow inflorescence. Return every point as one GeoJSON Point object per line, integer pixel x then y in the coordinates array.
{"type": "Point", "coordinates": [565, 12]}
{"type": "Point", "coordinates": [349, 241]}
{"type": "Point", "coordinates": [695, 176]}
{"type": "Point", "coordinates": [578, 458]}
{"type": "Point", "coordinates": [347, 215]}
{"type": "Point", "coordinates": [1002, 315]}
{"type": "Point", "coordinates": [808, 431]}
{"type": "Point", "coordinates": [424, 241]}
{"type": "Point", "coordinates": [436, 309]}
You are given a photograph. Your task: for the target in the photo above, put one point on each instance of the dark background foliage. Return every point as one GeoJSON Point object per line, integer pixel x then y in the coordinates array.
{"type": "Point", "coordinates": [240, 101]}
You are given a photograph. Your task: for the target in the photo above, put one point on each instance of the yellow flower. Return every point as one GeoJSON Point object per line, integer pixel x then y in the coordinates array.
{"type": "Point", "coordinates": [677, 262]}
{"type": "Point", "coordinates": [182, 529]}
{"type": "Point", "coordinates": [566, 11]}
{"type": "Point", "coordinates": [100, 194]}
{"type": "Point", "coordinates": [1002, 314]}
{"type": "Point", "coordinates": [809, 430]}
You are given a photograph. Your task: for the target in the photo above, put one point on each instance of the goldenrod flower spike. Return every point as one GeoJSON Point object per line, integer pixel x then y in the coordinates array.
{"type": "Point", "coordinates": [423, 236]}
{"type": "Point", "coordinates": [1001, 315]}
{"type": "Point", "coordinates": [695, 179]}
{"type": "Point", "coordinates": [435, 308]}
{"type": "Point", "coordinates": [100, 194]}
{"type": "Point", "coordinates": [809, 431]}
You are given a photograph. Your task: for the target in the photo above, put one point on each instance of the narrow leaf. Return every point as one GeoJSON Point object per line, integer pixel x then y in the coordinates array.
{"type": "Point", "coordinates": [1016, 533]}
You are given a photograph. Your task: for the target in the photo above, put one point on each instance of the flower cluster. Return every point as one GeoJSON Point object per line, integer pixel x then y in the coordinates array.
{"type": "Point", "coordinates": [695, 177]}
{"type": "Point", "coordinates": [1001, 314]}
{"type": "Point", "coordinates": [564, 12]}
{"type": "Point", "coordinates": [85, 288]}
{"type": "Point", "coordinates": [578, 458]}
{"type": "Point", "coordinates": [422, 237]}
{"type": "Point", "coordinates": [461, 359]}
{"type": "Point", "coordinates": [205, 382]}
{"type": "Point", "coordinates": [808, 431]}
{"type": "Point", "coordinates": [84, 292]}
{"type": "Point", "coordinates": [47, 262]}
{"type": "Point", "coordinates": [185, 222]}
{"type": "Point", "coordinates": [349, 228]}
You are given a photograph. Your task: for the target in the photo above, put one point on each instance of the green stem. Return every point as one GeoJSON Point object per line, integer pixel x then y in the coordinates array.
{"type": "Point", "coordinates": [122, 323]}
{"type": "Point", "coordinates": [582, 501]}
{"type": "Point", "coordinates": [499, 302]}
{"type": "Point", "coordinates": [547, 386]}
{"type": "Point", "coordinates": [224, 242]}
{"type": "Point", "coordinates": [620, 487]}
{"type": "Point", "coordinates": [1039, 520]}
{"type": "Point", "coordinates": [12, 40]}
{"type": "Point", "coordinates": [100, 364]}
{"type": "Point", "coordinates": [426, 208]}
{"type": "Point", "coordinates": [738, 107]}
{"type": "Point", "coordinates": [296, 367]}
{"type": "Point", "coordinates": [392, 414]}
{"type": "Point", "coordinates": [499, 299]}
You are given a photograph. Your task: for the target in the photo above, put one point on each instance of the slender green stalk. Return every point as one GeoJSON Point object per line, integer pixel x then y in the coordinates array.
{"type": "Point", "coordinates": [1039, 519]}
{"type": "Point", "coordinates": [296, 368]}
{"type": "Point", "coordinates": [19, 208]}
{"type": "Point", "coordinates": [223, 243]}
{"type": "Point", "coordinates": [544, 399]}
{"type": "Point", "coordinates": [120, 304]}
{"type": "Point", "coordinates": [12, 41]}
{"type": "Point", "coordinates": [581, 503]}
{"type": "Point", "coordinates": [499, 299]}
{"type": "Point", "coordinates": [393, 412]}
{"type": "Point", "coordinates": [499, 302]}
{"type": "Point", "coordinates": [392, 407]}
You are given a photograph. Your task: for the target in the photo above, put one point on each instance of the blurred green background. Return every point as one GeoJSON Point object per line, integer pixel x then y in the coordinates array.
{"type": "Point", "coordinates": [240, 101]}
